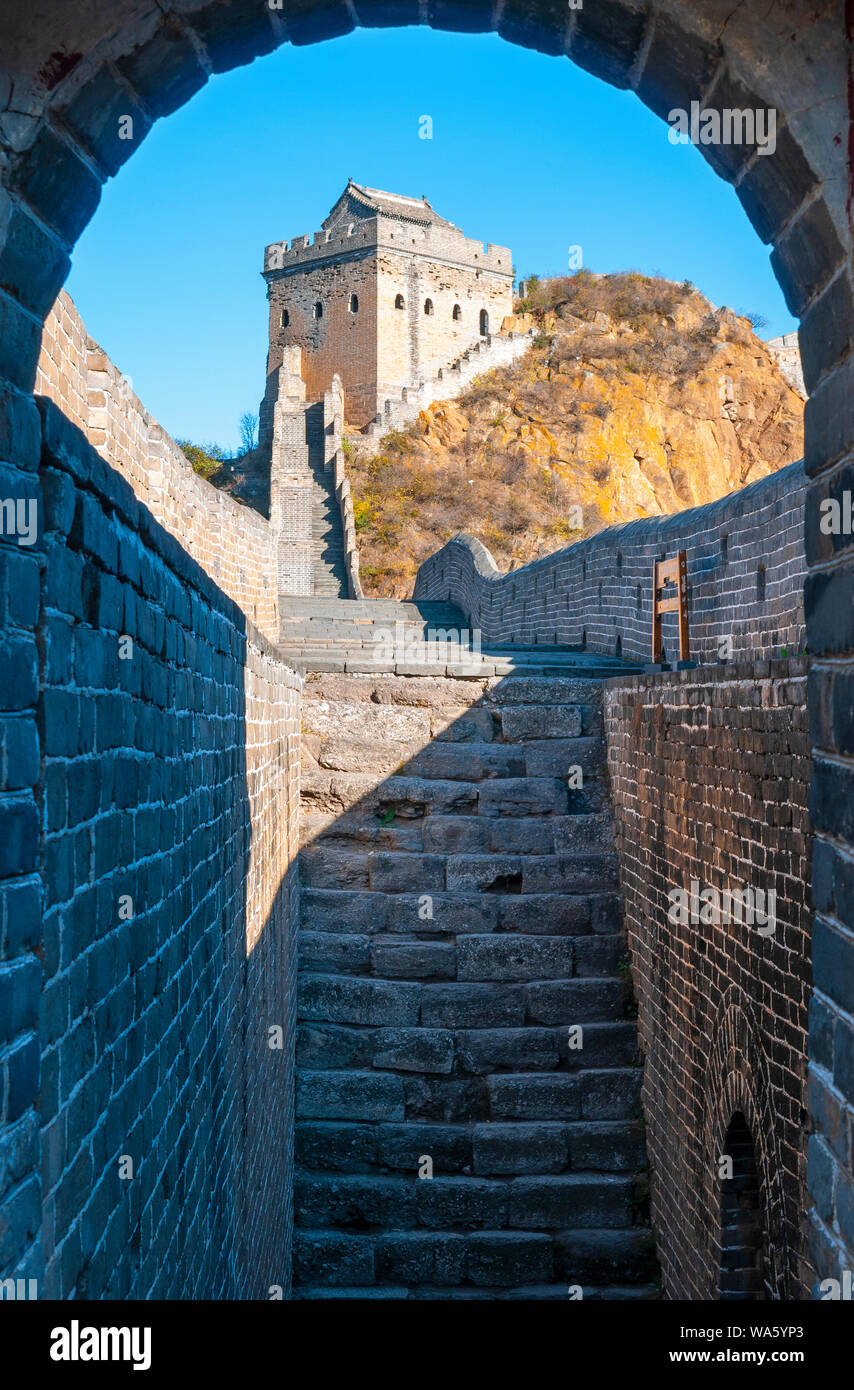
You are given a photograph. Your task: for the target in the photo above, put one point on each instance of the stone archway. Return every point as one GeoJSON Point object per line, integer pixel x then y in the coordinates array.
{"type": "Point", "coordinates": [736, 1084]}
{"type": "Point", "coordinates": [73, 83]}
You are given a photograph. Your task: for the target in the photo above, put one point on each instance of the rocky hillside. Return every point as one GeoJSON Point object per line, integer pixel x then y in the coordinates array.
{"type": "Point", "coordinates": [636, 399]}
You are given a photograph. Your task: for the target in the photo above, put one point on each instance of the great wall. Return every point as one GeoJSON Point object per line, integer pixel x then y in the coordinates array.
{"type": "Point", "coordinates": [365, 962]}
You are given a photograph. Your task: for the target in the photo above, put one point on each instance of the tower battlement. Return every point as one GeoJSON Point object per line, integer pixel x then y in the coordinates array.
{"type": "Point", "coordinates": [444, 243]}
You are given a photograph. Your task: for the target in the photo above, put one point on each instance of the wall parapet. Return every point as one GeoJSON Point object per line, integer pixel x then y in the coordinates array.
{"type": "Point", "coordinates": [234, 544]}
{"type": "Point", "coordinates": [746, 567]}
{"type": "Point", "coordinates": [488, 353]}
{"type": "Point", "coordinates": [443, 242]}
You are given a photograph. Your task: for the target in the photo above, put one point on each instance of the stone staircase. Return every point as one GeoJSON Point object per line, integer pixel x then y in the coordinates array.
{"type": "Point", "coordinates": [468, 1093]}
{"type": "Point", "coordinates": [481, 356]}
{"type": "Point", "coordinates": [327, 532]}
{"type": "Point", "coordinates": [387, 636]}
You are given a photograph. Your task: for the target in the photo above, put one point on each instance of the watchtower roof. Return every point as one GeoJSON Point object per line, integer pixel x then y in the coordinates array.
{"type": "Point", "coordinates": [361, 201]}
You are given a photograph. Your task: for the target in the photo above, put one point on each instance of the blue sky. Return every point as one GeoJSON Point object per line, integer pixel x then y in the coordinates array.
{"type": "Point", "coordinates": [528, 151]}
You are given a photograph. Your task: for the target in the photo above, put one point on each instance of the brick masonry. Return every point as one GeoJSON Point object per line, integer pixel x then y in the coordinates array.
{"type": "Point", "coordinates": [234, 544]}
{"type": "Point", "coordinates": [710, 774]}
{"type": "Point", "coordinates": [167, 813]}
{"type": "Point", "coordinates": [746, 569]}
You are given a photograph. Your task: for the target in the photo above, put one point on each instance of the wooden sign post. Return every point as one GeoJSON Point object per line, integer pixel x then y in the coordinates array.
{"type": "Point", "coordinates": [666, 573]}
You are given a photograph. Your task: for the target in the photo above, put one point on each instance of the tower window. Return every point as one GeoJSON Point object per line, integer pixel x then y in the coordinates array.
{"type": "Point", "coordinates": [484, 323]}
{"type": "Point", "coordinates": [428, 306]}
{"type": "Point", "coordinates": [398, 301]}
{"type": "Point", "coordinates": [354, 304]}
{"type": "Point", "coordinates": [286, 318]}
{"type": "Point", "coordinates": [458, 313]}
{"type": "Point", "coordinates": [318, 310]}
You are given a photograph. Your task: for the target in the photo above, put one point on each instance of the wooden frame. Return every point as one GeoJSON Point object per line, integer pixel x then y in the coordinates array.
{"type": "Point", "coordinates": [665, 573]}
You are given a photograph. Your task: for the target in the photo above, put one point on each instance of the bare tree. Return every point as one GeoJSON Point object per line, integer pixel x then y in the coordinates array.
{"type": "Point", "coordinates": [248, 426]}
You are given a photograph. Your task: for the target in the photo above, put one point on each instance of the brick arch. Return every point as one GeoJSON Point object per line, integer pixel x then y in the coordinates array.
{"type": "Point", "coordinates": [147, 68]}
{"type": "Point", "coordinates": [736, 1081]}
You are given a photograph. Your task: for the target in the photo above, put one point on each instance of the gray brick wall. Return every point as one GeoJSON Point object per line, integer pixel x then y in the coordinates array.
{"type": "Point", "coordinates": [20, 885]}
{"type": "Point", "coordinates": [746, 569]}
{"type": "Point", "coordinates": [169, 779]}
{"type": "Point", "coordinates": [709, 775]}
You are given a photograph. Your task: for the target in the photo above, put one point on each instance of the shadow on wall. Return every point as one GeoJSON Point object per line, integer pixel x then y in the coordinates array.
{"type": "Point", "coordinates": [167, 798]}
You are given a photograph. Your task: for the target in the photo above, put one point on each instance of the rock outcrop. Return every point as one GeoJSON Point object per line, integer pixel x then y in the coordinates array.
{"type": "Point", "coordinates": [637, 398]}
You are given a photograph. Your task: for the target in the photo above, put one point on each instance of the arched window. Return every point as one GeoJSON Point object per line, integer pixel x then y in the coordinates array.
{"type": "Point", "coordinates": [286, 318]}
{"type": "Point", "coordinates": [428, 306]}
{"type": "Point", "coordinates": [742, 1239]}
{"type": "Point", "coordinates": [398, 302]}
{"type": "Point", "coordinates": [458, 313]}
{"type": "Point", "coordinates": [354, 304]}
{"type": "Point", "coordinates": [484, 323]}
{"type": "Point", "coordinates": [318, 310]}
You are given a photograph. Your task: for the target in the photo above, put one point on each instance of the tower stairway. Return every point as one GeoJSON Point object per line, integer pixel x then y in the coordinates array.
{"type": "Point", "coordinates": [327, 531]}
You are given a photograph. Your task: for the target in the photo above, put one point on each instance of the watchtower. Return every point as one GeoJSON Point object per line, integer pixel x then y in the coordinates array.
{"type": "Point", "coordinates": [386, 294]}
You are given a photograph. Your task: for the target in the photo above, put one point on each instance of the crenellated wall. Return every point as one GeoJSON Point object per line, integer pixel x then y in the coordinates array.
{"type": "Point", "coordinates": [746, 568]}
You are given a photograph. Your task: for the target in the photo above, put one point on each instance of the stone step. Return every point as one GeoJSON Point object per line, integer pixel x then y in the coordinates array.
{"type": "Point", "coordinates": [324, 865]}
{"type": "Point", "coordinates": [447, 834]}
{"type": "Point", "coordinates": [401, 797]}
{"type": "Point", "coordinates": [353, 1201]}
{"type": "Point", "coordinates": [371, 609]}
{"type": "Point", "coordinates": [487, 1149]}
{"type": "Point", "coordinates": [582, 914]}
{"type": "Point", "coordinates": [468, 666]}
{"type": "Point", "coordinates": [448, 1264]}
{"type": "Point", "coordinates": [322, 1047]}
{"type": "Point", "coordinates": [465, 1004]}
